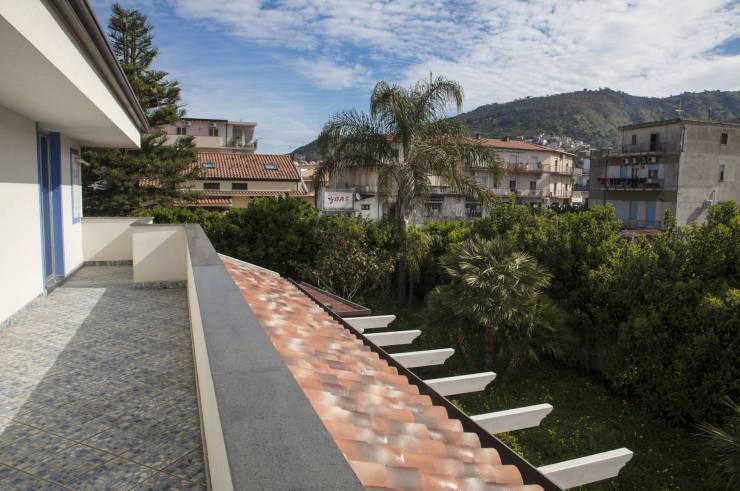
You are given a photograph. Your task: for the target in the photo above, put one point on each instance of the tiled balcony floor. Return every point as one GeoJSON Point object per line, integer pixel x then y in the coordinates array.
{"type": "Point", "coordinates": [97, 389]}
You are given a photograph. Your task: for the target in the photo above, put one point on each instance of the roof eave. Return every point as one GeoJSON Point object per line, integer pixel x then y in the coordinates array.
{"type": "Point", "coordinates": [79, 17]}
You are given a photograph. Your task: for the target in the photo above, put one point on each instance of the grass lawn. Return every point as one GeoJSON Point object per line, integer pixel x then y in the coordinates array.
{"type": "Point", "coordinates": [587, 417]}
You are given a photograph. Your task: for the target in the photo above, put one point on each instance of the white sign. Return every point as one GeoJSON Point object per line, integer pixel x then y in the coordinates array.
{"type": "Point", "coordinates": [339, 200]}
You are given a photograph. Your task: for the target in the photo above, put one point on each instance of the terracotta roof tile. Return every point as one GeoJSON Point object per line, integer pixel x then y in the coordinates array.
{"type": "Point", "coordinates": [244, 192]}
{"type": "Point", "coordinates": [392, 437]}
{"type": "Point", "coordinates": [245, 166]}
{"type": "Point", "coordinates": [215, 201]}
{"type": "Point", "coordinates": [516, 145]}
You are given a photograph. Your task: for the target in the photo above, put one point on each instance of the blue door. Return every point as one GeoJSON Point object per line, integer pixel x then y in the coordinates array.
{"type": "Point", "coordinates": [633, 212]}
{"type": "Point", "coordinates": [650, 213]}
{"type": "Point", "coordinates": [623, 171]}
{"type": "Point", "coordinates": [46, 225]}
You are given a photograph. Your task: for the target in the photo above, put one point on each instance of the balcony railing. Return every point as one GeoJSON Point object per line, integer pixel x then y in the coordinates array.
{"type": "Point", "coordinates": [651, 147]}
{"type": "Point", "coordinates": [530, 193]}
{"type": "Point", "coordinates": [558, 169]}
{"type": "Point", "coordinates": [523, 167]}
{"type": "Point", "coordinates": [631, 183]}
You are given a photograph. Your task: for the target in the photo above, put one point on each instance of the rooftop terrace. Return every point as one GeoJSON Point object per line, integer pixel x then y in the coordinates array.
{"type": "Point", "coordinates": [98, 389]}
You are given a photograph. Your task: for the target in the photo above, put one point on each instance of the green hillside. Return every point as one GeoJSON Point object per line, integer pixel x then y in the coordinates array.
{"type": "Point", "coordinates": [593, 116]}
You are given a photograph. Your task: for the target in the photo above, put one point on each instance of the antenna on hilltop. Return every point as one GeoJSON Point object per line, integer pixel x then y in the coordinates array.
{"type": "Point", "coordinates": [679, 110]}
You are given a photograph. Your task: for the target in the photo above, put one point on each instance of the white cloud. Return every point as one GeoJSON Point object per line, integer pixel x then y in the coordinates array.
{"type": "Point", "coordinates": [327, 74]}
{"type": "Point", "coordinates": [498, 49]}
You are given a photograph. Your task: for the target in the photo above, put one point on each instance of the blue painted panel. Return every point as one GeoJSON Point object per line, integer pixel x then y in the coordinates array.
{"type": "Point", "coordinates": [55, 153]}
{"type": "Point", "coordinates": [44, 188]}
{"type": "Point", "coordinates": [623, 171]}
{"type": "Point", "coordinates": [633, 210]}
{"type": "Point", "coordinates": [650, 213]}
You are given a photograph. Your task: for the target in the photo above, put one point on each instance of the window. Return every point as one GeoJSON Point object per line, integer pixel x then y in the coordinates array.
{"type": "Point", "coordinates": [721, 172]}
{"type": "Point", "coordinates": [433, 206]}
{"type": "Point", "coordinates": [271, 166]}
{"type": "Point", "coordinates": [212, 131]}
{"type": "Point", "coordinates": [239, 186]}
{"type": "Point", "coordinates": [76, 186]}
{"type": "Point", "coordinates": [634, 139]}
{"type": "Point", "coordinates": [512, 184]}
{"type": "Point", "coordinates": [181, 130]}
{"type": "Point", "coordinates": [723, 139]}
{"type": "Point", "coordinates": [365, 207]}
{"type": "Point", "coordinates": [473, 210]}
{"type": "Point", "coordinates": [532, 185]}
{"type": "Point", "coordinates": [653, 171]}
{"type": "Point", "coordinates": [212, 185]}
{"type": "Point", "coordinates": [209, 165]}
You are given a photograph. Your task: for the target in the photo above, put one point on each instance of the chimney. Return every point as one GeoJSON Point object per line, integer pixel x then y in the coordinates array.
{"type": "Point", "coordinates": [507, 138]}
{"type": "Point", "coordinates": [477, 136]}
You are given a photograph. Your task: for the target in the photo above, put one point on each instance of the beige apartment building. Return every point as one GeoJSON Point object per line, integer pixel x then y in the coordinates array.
{"type": "Point", "coordinates": [680, 165]}
{"type": "Point", "coordinates": [534, 174]}
{"type": "Point", "coordinates": [216, 135]}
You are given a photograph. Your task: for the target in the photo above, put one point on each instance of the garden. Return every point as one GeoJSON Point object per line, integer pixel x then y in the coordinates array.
{"type": "Point", "coordinates": [634, 343]}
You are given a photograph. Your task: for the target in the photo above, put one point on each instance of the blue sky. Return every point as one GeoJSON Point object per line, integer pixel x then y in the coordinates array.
{"type": "Point", "coordinates": [290, 64]}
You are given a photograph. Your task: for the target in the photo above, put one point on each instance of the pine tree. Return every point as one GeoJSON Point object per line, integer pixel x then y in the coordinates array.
{"type": "Point", "coordinates": [113, 181]}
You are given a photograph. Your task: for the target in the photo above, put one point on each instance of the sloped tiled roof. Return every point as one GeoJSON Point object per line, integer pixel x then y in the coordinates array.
{"type": "Point", "coordinates": [392, 436]}
{"type": "Point", "coordinates": [517, 145]}
{"type": "Point", "coordinates": [246, 192]}
{"type": "Point", "coordinates": [211, 201]}
{"type": "Point", "coordinates": [245, 166]}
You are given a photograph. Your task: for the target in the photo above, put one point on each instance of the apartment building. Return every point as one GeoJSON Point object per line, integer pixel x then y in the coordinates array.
{"type": "Point", "coordinates": [215, 135]}
{"type": "Point", "coordinates": [231, 180]}
{"type": "Point", "coordinates": [534, 174]}
{"type": "Point", "coordinates": [680, 165]}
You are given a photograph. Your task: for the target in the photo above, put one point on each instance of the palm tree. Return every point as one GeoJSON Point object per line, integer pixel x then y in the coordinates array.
{"type": "Point", "coordinates": [406, 138]}
{"type": "Point", "coordinates": [724, 446]}
{"type": "Point", "coordinates": [494, 287]}
{"type": "Point", "coordinates": [418, 244]}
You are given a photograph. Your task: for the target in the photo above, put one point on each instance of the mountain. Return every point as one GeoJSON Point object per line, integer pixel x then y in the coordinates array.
{"type": "Point", "coordinates": [309, 151]}
{"type": "Point", "coordinates": [593, 116]}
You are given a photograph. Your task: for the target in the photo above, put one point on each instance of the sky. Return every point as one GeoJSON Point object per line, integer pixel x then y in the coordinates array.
{"type": "Point", "coordinates": [290, 64]}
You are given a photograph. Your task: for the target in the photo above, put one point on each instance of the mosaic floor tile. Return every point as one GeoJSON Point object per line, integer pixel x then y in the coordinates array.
{"type": "Point", "coordinates": [99, 362]}
{"type": "Point", "coordinates": [165, 481]}
{"type": "Point", "coordinates": [117, 474]}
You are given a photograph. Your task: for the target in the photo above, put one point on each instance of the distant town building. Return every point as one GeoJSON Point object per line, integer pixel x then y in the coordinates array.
{"type": "Point", "coordinates": [217, 135]}
{"type": "Point", "coordinates": [534, 174]}
{"type": "Point", "coordinates": [231, 180]}
{"type": "Point", "coordinates": [680, 165]}
{"type": "Point", "coordinates": [307, 170]}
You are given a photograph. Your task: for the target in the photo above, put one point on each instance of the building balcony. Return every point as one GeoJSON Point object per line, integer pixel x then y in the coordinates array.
{"type": "Point", "coordinates": [632, 183]}
{"type": "Point", "coordinates": [559, 169]}
{"type": "Point", "coordinates": [524, 167]}
{"type": "Point", "coordinates": [646, 148]}
{"type": "Point", "coordinates": [530, 193]}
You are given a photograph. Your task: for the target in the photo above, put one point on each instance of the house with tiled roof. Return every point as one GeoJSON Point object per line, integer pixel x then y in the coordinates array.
{"type": "Point", "coordinates": [231, 180]}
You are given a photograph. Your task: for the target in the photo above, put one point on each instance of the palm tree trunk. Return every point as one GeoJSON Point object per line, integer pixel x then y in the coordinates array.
{"type": "Point", "coordinates": [464, 343]}
{"type": "Point", "coordinates": [401, 216]}
{"type": "Point", "coordinates": [489, 351]}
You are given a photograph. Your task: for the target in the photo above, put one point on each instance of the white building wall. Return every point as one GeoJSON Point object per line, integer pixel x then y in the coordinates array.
{"type": "Point", "coordinates": [21, 260]}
